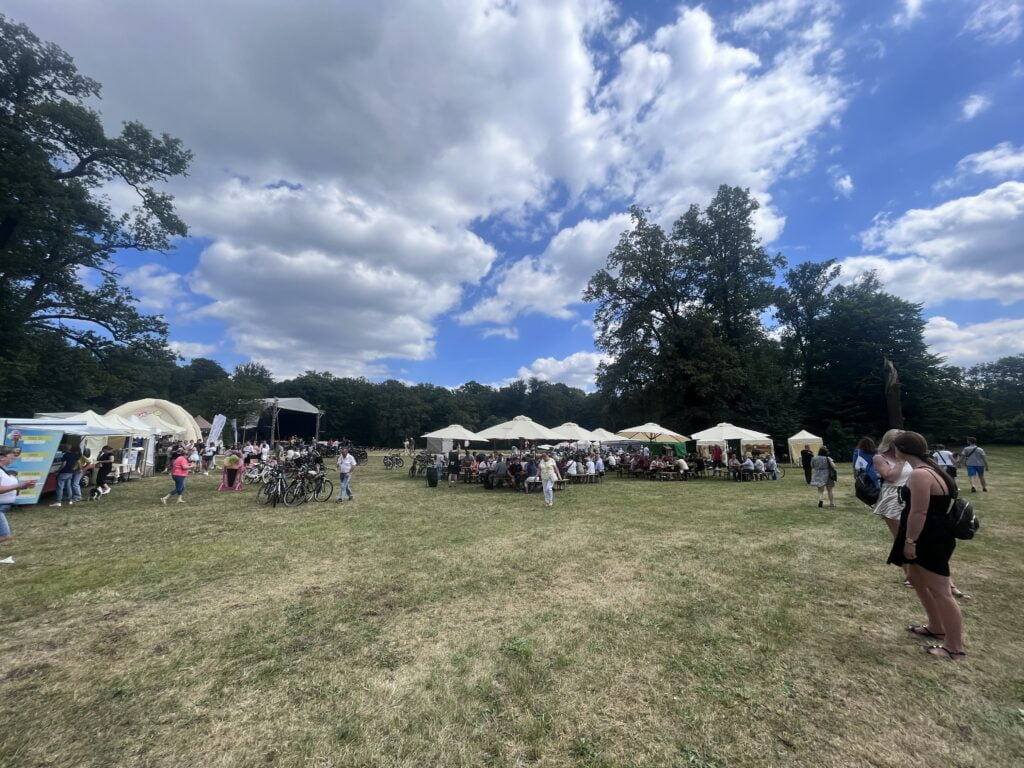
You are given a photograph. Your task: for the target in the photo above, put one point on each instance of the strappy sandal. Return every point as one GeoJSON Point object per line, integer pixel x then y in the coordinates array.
{"type": "Point", "coordinates": [923, 631]}
{"type": "Point", "coordinates": [959, 595]}
{"type": "Point", "coordinates": [944, 653]}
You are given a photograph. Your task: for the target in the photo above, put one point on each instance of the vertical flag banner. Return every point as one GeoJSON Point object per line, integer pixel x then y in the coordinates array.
{"type": "Point", "coordinates": [38, 447]}
{"type": "Point", "coordinates": [216, 428]}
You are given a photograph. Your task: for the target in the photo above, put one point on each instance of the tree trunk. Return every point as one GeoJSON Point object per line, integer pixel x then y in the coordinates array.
{"type": "Point", "coordinates": [892, 394]}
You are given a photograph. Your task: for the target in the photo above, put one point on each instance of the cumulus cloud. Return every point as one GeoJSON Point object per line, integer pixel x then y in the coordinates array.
{"type": "Point", "coordinates": [997, 21]}
{"type": "Point", "coordinates": [1002, 161]}
{"type": "Point", "coordinates": [973, 343]}
{"type": "Point", "coordinates": [191, 349]}
{"type": "Point", "coordinates": [317, 278]}
{"type": "Point", "coordinates": [157, 288]}
{"type": "Point", "coordinates": [842, 182]}
{"type": "Point", "coordinates": [967, 248]}
{"type": "Point", "coordinates": [699, 112]}
{"type": "Point", "coordinates": [576, 370]}
{"type": "Point", "coordinates": [974, 105]}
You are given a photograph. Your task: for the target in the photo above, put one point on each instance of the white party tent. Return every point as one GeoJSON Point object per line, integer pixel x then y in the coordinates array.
{"type": "Point", "coordinates": [454, 432]}
{"type": "Point", "coordinates": [604, 436]}
{"type": "Point", "coordinates": [164, 416]}
{"type": "Point", "coordinates": [519, 428]}
{"type": "Point", "coordinates": [799, 440]}
{"type": "Point", "coordinates": [722, 433]}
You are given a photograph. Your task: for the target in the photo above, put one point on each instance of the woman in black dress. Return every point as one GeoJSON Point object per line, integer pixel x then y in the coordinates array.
{"type": "Point", "coordinates": [924, 543]}
{"type": "Point", "coordinates": [105, 464]}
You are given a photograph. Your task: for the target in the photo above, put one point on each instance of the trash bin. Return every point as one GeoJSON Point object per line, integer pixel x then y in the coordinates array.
{"type": "Point", "coordinates": [432, 477]}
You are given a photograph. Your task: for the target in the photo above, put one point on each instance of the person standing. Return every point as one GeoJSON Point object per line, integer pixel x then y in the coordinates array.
{"type": "Point", "coordinates": [945, 459]}
{"type": "Point", "coordinates": [346, 466]}
{"type": "Point", "coordinates": [180, 467]}
{"type": "Point", "coordinates": [806, 456]}
{"type": "Point", "coordinates": [973, 457]}
{"type": "Point", "coordinates": [924, 544]}
{"type": "Point", "coordinates": [76, 479]}
{"type": "Point", "coordinates": [548, 469]}
{"type": "Point", "coordinates": [105, 464]}
{"type": "Point", "coordinates": [9, 487]}
{"type": "Point", "coordinates": [822, 476]}
{"type": "Point", "coordinates": [66, 475]}
{"type": "Point", "coordinates": [453, 466]}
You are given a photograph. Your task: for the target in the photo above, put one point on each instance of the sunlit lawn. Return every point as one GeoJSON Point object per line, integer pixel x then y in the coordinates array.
{"type": "Point", "coordinates": [636, 623]}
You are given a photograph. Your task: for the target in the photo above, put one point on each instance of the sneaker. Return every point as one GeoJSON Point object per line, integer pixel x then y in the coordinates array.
{"type": "Point", "coordinates": [105, 492]}
{"type": "Point", "coordinates": [984, 490]}
{"type": "Point", "coordinates": [7, 561]}
{"type": "Point", "coordinates": [55, 505]}
{"type": "Point", "coordinates": [973, 489]}
{"type": "Point", "coordinates": [163, 499]}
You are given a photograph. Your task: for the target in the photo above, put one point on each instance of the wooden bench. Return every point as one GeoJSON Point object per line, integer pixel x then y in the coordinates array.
{"type": "Point", "coordinates": [533, 485]}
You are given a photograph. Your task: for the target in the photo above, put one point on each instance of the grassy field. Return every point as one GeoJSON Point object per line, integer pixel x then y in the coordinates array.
{"type": "Point", "coordinates": [636, 623]}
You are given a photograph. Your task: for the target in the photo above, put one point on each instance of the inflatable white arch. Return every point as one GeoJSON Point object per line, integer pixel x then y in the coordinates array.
{"type": "Point", "coordinates": [152, 410]}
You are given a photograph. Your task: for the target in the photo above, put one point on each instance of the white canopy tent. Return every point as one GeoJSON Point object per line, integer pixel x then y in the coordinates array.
{"type": "Point", "coordinates": [798, 441]}
{"type": "Point", "coordinates": [602, 435]}
{"type": "Point", "coordinates": [519, 428]}
{"type": "Point", "coordinates": [165, 417]}
{"type": "Point", "coordinates": [721, 434]}
{"type": "Point", "coordinates": [455, 432]}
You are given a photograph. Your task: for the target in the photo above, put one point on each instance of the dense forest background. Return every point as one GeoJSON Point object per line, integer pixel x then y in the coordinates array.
{"type": "Point", "coordinates": [699, 324]}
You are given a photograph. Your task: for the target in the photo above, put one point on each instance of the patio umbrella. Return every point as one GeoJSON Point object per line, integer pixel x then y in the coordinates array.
{"type": "Point", "coordinates": [520, 428]}
{"type": "Point", "coordinates": [604, 436]}
{"type": "Point", "coordinates": [455, 432]}
{"type": "Point", "coordinates": [574, 432]}
{"type": "Point", "coordinates": [653, 433]}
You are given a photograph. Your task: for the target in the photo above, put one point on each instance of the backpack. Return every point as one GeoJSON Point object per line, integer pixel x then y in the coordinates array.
{"type": "Point", "coordinates": [962, 520]}
{"type": "Point", "coordinates": [865, 488]}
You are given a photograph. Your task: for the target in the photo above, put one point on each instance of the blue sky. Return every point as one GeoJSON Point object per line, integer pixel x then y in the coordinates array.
{"type": "Point", "coordinates": [420, 191]}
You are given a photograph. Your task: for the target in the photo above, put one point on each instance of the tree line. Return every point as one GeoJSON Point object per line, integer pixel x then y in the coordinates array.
{"type": "Point", "coordinates": [700, 323]}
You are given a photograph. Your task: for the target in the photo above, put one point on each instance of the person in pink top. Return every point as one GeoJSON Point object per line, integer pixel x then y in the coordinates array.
{"type": "Point", "coordinates": [179, 472]}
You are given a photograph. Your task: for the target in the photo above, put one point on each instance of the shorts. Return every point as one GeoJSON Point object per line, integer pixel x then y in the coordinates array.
{"type": "Point", "coordinates": [5, 527]}
{"type": "Point", "coordinates": [889, 504]}
{"type": "Point", "coordinates": [975, 471]}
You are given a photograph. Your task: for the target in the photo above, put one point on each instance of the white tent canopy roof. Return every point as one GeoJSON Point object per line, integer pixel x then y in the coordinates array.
{"type": "Point", "coordinates": [573, 431]}
{"type": "Point", "coordinates": [604, 435]}
{"type": "Point", "coordinates": [111, 424]}
{"type": "Point", "coordinates": [454, 432]}
{"type": "Point", "coordinates": [168, 418]}
{"type": "Point", "coordinates": [651, 431]}
{"type": "Point", "coordinates": [70, 426]}
{"type": "Point", "coordinates": [803, 434]}
{"type": "Point", "coordinates": [725, 431]}
{"type": "Point", "coordinates": [519, 428]}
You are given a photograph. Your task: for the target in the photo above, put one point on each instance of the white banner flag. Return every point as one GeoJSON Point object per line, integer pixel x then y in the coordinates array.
{"type": "Point", "coordinates": [218, 426]}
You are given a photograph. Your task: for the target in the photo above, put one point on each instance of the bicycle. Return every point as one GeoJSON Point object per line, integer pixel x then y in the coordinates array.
{"type": "Point", "coordinates": [393, 461]}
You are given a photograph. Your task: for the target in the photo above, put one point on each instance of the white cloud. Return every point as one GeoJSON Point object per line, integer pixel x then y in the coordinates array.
{"type": "Point", "coordinates": [505, 332]}
{"type": "Point", "coordinates": [842, 182]}
{"type": "Point", "coordinates": [997, 21]}
{"type": "Point", "coordinates": [969, 344]}
{"type": "Point", "coordinates": [698, 112]}
{"type": "Point", "coordinates": [772, 15]}
{"type": "Point", "coordinates": [967, 248]}
{"type": "Point", "coordinates": [576, 370]}
{"type": "Point", "coordinates": [910, 11]}
{"type": "Point", "coordinates": [974, 105]}
{"type": "Point", "coordinates": [551, 283]}
{"type": "Point", "coordinates": [1002, 161]}
{"type": "Point", "coordinates": [316, 278]}
{"type": "Point", "coordinates": [157, 288]}
{"type": "Point", "coordinates": [191, 349]}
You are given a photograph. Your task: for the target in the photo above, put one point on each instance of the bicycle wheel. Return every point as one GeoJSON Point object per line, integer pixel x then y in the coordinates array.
{"type": "Point", "coordinates": [324, 490]}
{"type": "Point", "coordinates": [781, 471]}
{"type": "Point", "coordinates": [263, 494]}
{"type": "Point", "coordinates": [295, 495]}
{"type": "Point", "coordinates": [399, 462]}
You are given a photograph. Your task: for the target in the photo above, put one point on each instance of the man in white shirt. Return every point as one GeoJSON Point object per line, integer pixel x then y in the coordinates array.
{"type": "Point", "coordinates": [346, 466]}
{"type": "Point", "coordinates": [945, 460]}
{"type": "Point", "coordinates": [570, 467]}
{"type": "Point", "coordinates": [599, 466]}
{"type": "Point", "coordinates": [591, 467]}
{"type": "Point", "coordinates": [264, 450]}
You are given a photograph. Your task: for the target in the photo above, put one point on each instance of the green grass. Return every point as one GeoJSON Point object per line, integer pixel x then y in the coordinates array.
{"type": "Point", "coordinates": [636, 623]}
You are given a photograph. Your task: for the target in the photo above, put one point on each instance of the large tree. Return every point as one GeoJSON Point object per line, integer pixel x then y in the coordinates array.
{"type": "Point", "coordinates": [58, 232]}
{"type": "Point", "coordinates": [679, 318]}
